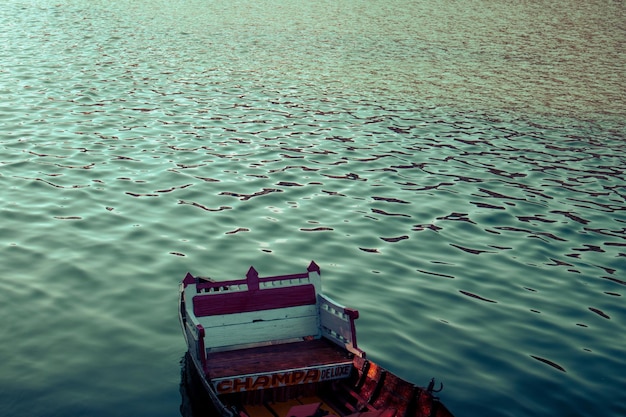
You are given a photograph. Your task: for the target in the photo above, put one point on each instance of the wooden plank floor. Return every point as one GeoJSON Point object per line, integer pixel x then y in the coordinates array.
{"type": "Point", "coordinates": [272, 409]}
{"type": "Point", "coordinates": [275, 357]}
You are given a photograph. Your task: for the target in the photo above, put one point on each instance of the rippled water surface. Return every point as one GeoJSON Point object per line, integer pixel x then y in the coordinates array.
{"type": "Point", "coordinates": [456, 168]}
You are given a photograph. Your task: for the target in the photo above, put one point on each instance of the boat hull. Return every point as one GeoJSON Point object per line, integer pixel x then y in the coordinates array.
{"type": "Point", "coordinates": [370, 391]}
{"type": "Point", "coordinates": [313, 376]}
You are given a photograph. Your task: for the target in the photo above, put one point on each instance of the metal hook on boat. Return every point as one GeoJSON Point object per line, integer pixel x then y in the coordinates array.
{"type": "Point", "coordinates": [431, 386]}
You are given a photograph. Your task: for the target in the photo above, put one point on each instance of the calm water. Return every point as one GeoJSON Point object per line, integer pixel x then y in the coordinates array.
{"type": "Point", "coordinates": [455, 167]}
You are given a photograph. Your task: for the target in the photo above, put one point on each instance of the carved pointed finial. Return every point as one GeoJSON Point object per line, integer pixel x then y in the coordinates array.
{"type": "Point", "coordinates": [253, 279]}
{"type": "Point", "coordinates": [313, 267]}
{"type": "Point", "coordinates": [189, 279]}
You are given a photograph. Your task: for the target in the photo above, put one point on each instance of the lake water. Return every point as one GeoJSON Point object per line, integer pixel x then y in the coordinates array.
{"type": "Point", "coordinates": [456, 168]}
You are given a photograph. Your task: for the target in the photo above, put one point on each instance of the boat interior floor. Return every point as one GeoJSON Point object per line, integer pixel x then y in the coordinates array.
{"type": "Point", "coordinates": [307, 407]}
{"type": "Point", "coordinates": [294, 355]}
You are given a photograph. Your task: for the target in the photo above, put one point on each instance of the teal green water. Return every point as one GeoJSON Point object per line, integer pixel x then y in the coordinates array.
{"type": "Point", "coordinates": [456, 168]}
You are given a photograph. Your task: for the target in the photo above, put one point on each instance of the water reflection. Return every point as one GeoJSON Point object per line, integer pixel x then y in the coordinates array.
{"type": "Point", "coordinates": [195, 401]}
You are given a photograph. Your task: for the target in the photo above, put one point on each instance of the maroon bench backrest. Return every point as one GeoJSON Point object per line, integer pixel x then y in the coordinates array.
{"type": "Point", "coordinates": [212, 304]}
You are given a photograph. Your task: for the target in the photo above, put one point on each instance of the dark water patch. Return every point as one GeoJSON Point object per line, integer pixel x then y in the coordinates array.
{"type": "Point", "coordinates": [394, 239]}
{"type": "Point", "coordinates": [589, 248]}
{"type": "Point", "coordinates": [203, 207]}
{"type": "Point", "coordinates": [538, 218]}
{"type": "Point", "coordinates": [390, 200]}
{"type": "Point", "coordinates": [609, 208]}
{"type": "Point", "coordinates": [571, 216]}
{"type": "Point", "coordinates": [436, 274]}
{"type": "Point", "coordinates": [532, 234]}
{"type": "Point", "coordinates": [607, 269]}
{"type": "Point", "coordinates": [422, 227]}
{"type": "Point", "coordinates": [384, 213]}
{"type": "Point", "coordinates": [464, 217]}
{"type": "Point", "coordinates": [618, 244]}
{"type": "Point", "coordinates": [55, 185]}
{"type": "Point", "coordinates": [621, 233]}
{"type": "Point", "coordinates": [557, 262]}
{"type": "Point", "coordinates": [125, 158]}
{"type": "Point", "coordinates": [141, 194]}
{"type": "Point", "coordinates": [370, 250]}
{"type": "Point", "coordinates": [549, 362]}
{"type": "Point", "coordinates": [88, 166]}
{"type": "Point", "coordinates": [317, 229]}
{"type": "Point", "coordinates": [170, 189]}
{"type": "Point", "coordinates": [478, 297]}
{"type": "Point", "coordinates": [245, 197]}
{"type": "Point", "coordinates": [350, 176]}
{"type": "Point", "coordinates": [470, 250]}
{"type": "Point", "coordinates": [414, 165]}
{"type": "Point", "coordinates": [238, 230]}
{"type": "Point", "coordinates": [334, 193]}
{"type": "Point", "coordinates": [415, 187]}
{"type": "Point", "coordinates": [292, 167]}
{"type": "Point", "coordinates": [207, 179]}
{"type": "Point", "coordinates": [488, 206]}
{"type": "Point", "coordinates": [493, 194]}
{"type": "Point", "coordinates": [599, 312]}
{"type": "Point", "coordinates": [506, 174]}
{"type": "Point", "coordinates": [616, 280]}
{"type": "Point", "coordinates": [289, 184]}
{"type": "Point", "coordinates": [501, 247]}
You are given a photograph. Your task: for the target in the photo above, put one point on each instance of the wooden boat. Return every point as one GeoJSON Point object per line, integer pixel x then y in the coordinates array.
{"type": "Point", "coordinates": [277, 347]}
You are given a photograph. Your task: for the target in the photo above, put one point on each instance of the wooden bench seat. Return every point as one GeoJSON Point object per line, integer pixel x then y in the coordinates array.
{"type": "Point", "coordinates": [272, 357]}
{"type": "Point", "coordinates": [275, 366]}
